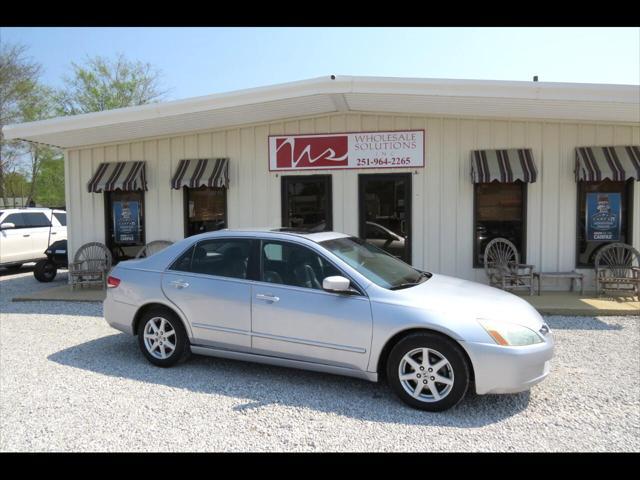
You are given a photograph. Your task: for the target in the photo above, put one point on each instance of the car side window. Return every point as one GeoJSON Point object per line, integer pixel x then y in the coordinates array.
{"type": "Point", "coordinates": [221, 257]}
{"type": "Point", "coordinates": [16, 219]}
{"type": "Point", "coordinates": [36, 219]}
{"type": "Point", "coordinates": [295, 265]}
{"type": "Point", "coordinates": [61, 217]}
{"type": "Point", "coordinates": [183, 262]}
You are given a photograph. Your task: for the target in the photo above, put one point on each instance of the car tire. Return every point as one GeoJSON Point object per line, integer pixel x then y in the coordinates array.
{"type": "Point", "coordinates": [414, 388]}
{"type": "Point", "coordinates": [168, 343]}
{"type": "Point", "coordinates": [45, 271]}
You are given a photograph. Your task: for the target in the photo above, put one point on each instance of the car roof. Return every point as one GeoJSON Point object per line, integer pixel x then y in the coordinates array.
{"type": "Point", "coordinates": [31, 209]}
{"type": "Point", "coordinates": [280, 232]}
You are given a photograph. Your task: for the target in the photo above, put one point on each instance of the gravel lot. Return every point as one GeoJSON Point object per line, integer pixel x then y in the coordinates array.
{"type": "Point", "coordinates": [68, 382]}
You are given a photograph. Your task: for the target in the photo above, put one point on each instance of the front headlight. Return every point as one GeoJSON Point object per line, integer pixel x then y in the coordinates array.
{"type": "Point", "coordinates": [510, 334]}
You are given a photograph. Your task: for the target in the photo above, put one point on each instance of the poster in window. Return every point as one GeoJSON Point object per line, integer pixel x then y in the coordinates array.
{"type": "Point", "coordinates": [603, 217]}
{"type": "Point", "coordinates": [126, 215]}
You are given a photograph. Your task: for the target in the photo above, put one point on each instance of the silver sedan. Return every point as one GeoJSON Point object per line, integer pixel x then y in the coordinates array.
{"type": "Point", "coordinates": [329, 302]}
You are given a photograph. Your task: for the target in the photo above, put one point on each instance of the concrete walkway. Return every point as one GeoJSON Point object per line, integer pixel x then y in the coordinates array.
{"type": "Point", "coordinates": [63, 293]}
{"type": "Point", "coordinates": [549, 303]}
{"type": "Point", "coordinates": [568, 303]}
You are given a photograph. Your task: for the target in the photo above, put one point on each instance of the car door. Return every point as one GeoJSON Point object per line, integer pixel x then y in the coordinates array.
{"type": "Point", "coordinates": [38, 225]}
{"type": "Point", "coordinates": [15, 243]}
{"type": "Point", "coordinates": [293, 317]}
{"type": "Point", "coordinates": [210, 284]}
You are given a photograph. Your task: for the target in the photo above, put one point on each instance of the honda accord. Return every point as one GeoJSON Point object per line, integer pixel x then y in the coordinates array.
{"type": "Point", "coordinates": [333, 303]}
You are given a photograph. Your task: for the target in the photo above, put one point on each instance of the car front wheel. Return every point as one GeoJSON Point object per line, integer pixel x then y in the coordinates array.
{"type": "Point", "coordinates": [162, 338]}
{"type": "Point", "coordinates": [428, 372]}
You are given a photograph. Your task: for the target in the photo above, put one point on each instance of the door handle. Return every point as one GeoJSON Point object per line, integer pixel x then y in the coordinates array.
{"type": "Point", "coordinates": [26, 235]}
{"type": "Point", "coordinates": [179, 284]}
{"type": "Point", "coordinates": [268, 298]}
{"type": "Point", "coordinates": [53, 233]}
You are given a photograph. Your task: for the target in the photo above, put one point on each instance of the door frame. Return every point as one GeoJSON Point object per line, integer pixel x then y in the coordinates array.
{"type": "Point", "coordinates": [408, 177]}
{"type": "Point", "coordinates": [108, 219]}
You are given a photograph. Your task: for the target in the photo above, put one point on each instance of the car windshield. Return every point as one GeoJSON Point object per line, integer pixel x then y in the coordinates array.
{"type": "Point", "coordinates": [377, 265]}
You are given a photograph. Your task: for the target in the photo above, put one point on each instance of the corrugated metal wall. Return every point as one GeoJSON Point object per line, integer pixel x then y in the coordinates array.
{"type": "Point", "coordinates": [442, 191]}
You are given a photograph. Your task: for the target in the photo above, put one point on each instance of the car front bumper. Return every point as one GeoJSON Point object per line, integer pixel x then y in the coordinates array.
{"type": "Point", "coordinates": [500, 369]}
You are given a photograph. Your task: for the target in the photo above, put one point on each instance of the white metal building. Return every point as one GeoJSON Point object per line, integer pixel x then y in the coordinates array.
{"type": "Point", "coordinates": [428, 169]}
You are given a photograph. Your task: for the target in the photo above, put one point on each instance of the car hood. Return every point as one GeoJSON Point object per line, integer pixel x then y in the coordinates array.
{"type": "Point", "coordinates": [469, 299]}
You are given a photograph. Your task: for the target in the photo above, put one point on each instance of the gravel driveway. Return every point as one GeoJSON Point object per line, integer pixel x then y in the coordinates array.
{"type": "Point", "coordinates": [70, 382]}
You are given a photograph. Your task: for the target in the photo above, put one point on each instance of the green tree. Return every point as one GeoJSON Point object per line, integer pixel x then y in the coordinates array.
{"type": "Point", "coordinates": [38, 105]}
{"type": "Point", "coordinates": [16, 186]}
{"type": "Point", "coordinates": [18, 79]}
{"type": "Point", "coordinates": [104, 84]}
{"type": "Point", "coordinates": [50, 181]}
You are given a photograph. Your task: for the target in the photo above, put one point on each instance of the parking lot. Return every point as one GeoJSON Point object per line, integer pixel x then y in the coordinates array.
{"type": "Point", "coordinates": [68, 382]}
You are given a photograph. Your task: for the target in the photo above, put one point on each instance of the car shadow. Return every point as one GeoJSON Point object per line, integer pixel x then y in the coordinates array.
{"type": "Point", "coordinates": [262, 385]}
{"type": "Point", "coordinates": [580, 323]}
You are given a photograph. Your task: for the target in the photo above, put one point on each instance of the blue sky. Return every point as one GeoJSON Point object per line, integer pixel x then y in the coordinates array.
{"type": "Point", "coordinates": [201, 61]}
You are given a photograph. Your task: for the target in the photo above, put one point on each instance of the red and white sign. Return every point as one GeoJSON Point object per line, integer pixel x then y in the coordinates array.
{"type": "Point", "coordinates": [336, 151]}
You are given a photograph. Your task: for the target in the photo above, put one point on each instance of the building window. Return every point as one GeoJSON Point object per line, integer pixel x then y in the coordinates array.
{"type": "Point", "coordinates": [499, 211]}
{"type": "Point", "coordinates": [604, 216]}
{"type": "Point", "coordinates": [125, 223]}
{"type": "Point", "coordinates": [306, 202]}
{"type": "Point", "coordinates": [205, 210]}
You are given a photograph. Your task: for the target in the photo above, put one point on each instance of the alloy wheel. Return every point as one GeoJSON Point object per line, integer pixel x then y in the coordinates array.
{"type": "Point", "coordinates": [426, 375]}
{"type": "Point", "coordinates": [160, 338]}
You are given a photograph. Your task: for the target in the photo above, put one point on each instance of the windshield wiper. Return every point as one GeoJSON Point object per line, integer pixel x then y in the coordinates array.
{"type": "Point", "coordinates": [424, 276]}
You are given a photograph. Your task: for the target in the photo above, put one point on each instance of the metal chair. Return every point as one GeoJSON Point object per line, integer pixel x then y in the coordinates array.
{"type": "Point", "coordinates": [90, 266]}
{"type": "Point", "coordinates": [153, 247]}
{"type": "Point", "coordinates": [618, 270]}
{"type": "Point", "coordinates": [503, 268]}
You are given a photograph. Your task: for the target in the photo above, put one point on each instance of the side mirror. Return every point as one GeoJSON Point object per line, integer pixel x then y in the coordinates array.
{"type": "Point", "coordinates": [7, 226]}
{"type": "Point", "coordinates": [336, 284]}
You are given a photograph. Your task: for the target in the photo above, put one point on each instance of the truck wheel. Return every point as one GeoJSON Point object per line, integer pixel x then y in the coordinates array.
{"type": "Point", "coordinates": [45, 271]}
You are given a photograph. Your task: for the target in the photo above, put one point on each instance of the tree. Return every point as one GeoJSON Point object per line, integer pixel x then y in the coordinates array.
{"type": "Point", "coordinates": [50, 181]}
{"type": "Point", "coordinates": [18, 78]}
{"type": "Point", "coordinates": [37, 106]}
{"type": "Point", "coordinates": [103, 84]}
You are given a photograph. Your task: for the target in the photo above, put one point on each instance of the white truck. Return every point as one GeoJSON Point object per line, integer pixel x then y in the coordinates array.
{"type": "Point", "coordinates": [25, 233]}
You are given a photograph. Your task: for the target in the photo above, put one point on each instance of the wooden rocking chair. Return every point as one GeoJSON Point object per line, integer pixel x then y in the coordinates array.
{"type": "Point", "coordinates": [90, 266]}
{"type": "Point", "coordinates": [503, 268]}
{"type": "Point", "coordinates": [153, 247]}
{"type": "Point", "coordinates": [618, 270]}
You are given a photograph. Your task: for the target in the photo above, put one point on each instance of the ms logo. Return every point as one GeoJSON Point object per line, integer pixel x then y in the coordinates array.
{"type": "Point", "coordinates": [312, 152]}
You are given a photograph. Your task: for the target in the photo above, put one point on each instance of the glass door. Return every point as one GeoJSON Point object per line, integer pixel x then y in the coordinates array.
{"type": "Point", "coordinates": [385, 212]}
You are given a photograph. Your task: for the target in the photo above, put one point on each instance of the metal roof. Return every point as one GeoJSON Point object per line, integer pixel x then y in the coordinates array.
{"type": "Point", "coordinates": [341, 94]}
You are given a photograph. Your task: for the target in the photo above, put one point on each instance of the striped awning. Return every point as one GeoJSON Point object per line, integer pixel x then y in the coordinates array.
{"type": "Point", "coordinates": [205, 172]}
{"type": "Point", "coordinates": [594, 164]}
{"type": "Point", "coordinates": [125, 176]}
{"type": "Point", "coordinates": [505, 166]}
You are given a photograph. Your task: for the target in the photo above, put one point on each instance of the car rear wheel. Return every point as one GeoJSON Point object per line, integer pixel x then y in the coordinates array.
{"type": "Point", "coordinates": [162, 337]}
{"type": "Point", "coordinates": [428, 371]}
{"type": "Point", "coordinates": [45, 271]}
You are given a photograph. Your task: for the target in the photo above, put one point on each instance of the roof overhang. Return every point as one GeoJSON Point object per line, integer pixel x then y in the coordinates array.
{"type": "Point", "coordinates": [341, 94]}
